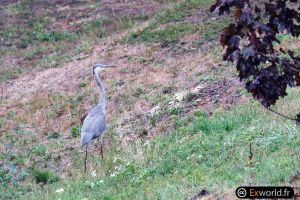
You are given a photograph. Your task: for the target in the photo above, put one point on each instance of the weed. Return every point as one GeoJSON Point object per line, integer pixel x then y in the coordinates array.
{"type": "Point", "coordinates": [20, 130]}
{"type": "Point", "coordinates": [124, 100]}
{"type": "Point", "coordinates": [190, 96]}
{"type": "Point", "coordinates": [125, 70]}
{"type": "Point", "coordinates": [153, 118]}
{"type": "Point", "coordinates": [11, 175]}
{"type": "Point", "coordinates": [53, 135]}
{"type": "Point", "coordinates": [26, 39]}
{"type": "Point", "coordinates": [167, 90]}
{"type": "Point", "coordinates": [23, 175]}
{"type": "Point", "coordinates": [142, 16]}
{"type": "Point", "coordinates": [48, 156]}
{"type": "Point", "coordinates": [160, 98]}
{"type": "Point", "coordinates": [53, 59]}
{"type": "Point", "coordinates": [44, 176]}
{"type": "Point", "coordinates": [96, 27]}
{"type": "Point", "coordinates": [207, 77]}
{"type": "Point", "coordinates": [53, 36]}
{"type": "Point", "coordinates": [75, 100]}
{"type": "Point", "coordinates": [84, 46]}
{"type": "Point", "coordinates": [139, 92]}
{"type": "Point", "coordinates": [14, 9]}
{"type": "Point", "coordinates": [30, 54]}
{"type": "Point", "coordinates": [4, 177]}
{"type": "Point", "coordinates": [174, 110]}
{"type": "Point", "coordinates": [10, 114]}
{"type": "Point", "coordinates": [79, 98]}
{"type": "Point", "coordinates": [200, 113]}
{"type": "Point", "coordinates": [75, 131]}
{"type": "Point", "coordinates": [39, 150]}
{"type": "Point", "coordinates": [125, 22]}
{"type": "Point", "coordinates": [19, 160]}
{"type": "Point", "coordinates": [10, 32]}
{"type": "Point", "coordinates": [9, 73]}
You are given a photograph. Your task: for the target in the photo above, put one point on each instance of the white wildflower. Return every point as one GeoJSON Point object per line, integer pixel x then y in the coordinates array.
{"type": "Point", "coordinates": [92, 184]}
{"type": "Point", "coordinates": [99, 182]}
{"type": "Point", "coordinates": [94, 173]}
{"type": "Point", "coordinates": [60, 190]}
{"type": "Point", "coordinates": [113, 175]}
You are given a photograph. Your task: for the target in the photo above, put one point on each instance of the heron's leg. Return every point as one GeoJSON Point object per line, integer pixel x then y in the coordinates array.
{"type": "Point", "coordinates": [101, 148]}
{"type": "Point", "coordinates": [85, 158]}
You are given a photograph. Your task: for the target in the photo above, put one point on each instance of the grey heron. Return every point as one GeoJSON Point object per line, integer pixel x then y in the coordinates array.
{"type": "Point", "coordinates": [94, 123]}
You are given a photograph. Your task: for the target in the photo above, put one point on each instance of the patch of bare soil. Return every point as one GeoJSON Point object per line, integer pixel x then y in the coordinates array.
{"type": "Point", "coordinates": [130, 8]}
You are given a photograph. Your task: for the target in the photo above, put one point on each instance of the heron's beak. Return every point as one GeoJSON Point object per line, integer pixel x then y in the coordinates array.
{"type": "Point", "coordinates": [110, 66]}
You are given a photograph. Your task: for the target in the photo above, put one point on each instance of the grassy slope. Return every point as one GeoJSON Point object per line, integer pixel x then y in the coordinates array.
{"type": "Point", "coordinates": [38, 35]}
{"type": "Point", "coordinates": [202, 152]}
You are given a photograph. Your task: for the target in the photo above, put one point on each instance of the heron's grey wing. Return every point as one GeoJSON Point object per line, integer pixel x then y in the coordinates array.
{"type": "Point", "coordinates": [93, 125]}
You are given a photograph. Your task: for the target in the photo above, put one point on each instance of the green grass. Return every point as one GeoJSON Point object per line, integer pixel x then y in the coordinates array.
{"type": "Point", "coordinates": [210, 152]}
{"type": "Point", "coordinates": [75, 131]}
{"type": "Point", "coordinates": [211, 29]}
{"type": "Point", "coordinates": [44, 176]}
{"type": "Point", "coordinates": [170, 34]}
{"type": "Point", "coordinates": [9, 73]}
{"type": "Point", "coordinates": [180, 10]}
{"type": "Point", "coordinates": [39, 150]}
{"type": "Point", "coordinates": [53, 59]}
{"type": "Point", "coordinates": [54, 36]}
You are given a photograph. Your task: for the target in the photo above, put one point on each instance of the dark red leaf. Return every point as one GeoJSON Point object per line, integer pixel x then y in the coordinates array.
{"type": "Point", "coordinates": [298, 119]}
{"type": "Point", "coordinates": [250, 43]}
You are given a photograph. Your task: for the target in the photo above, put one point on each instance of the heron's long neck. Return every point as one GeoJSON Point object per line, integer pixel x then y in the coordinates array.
{"type": "Point", "coordinates": [102, 90]}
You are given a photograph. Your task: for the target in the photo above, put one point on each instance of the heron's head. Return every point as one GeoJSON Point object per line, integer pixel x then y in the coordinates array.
{"type": "Point", "coordinates": [101, 66]}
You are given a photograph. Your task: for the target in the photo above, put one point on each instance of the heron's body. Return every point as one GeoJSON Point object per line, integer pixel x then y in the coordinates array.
{"type": "Point", "coordinates": [94, 123]}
